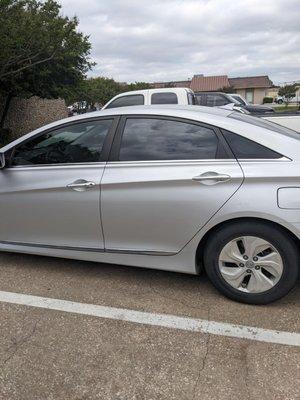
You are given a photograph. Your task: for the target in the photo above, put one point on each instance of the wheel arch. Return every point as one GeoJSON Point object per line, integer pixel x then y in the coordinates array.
{"type": "Point", "coordinates": [205, 238]}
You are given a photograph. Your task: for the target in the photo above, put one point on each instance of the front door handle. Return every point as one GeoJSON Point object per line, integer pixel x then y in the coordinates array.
{"type": "Point", "coordinates": [81, 185]}
{"type": "Point", "coordinates": [211, 178]}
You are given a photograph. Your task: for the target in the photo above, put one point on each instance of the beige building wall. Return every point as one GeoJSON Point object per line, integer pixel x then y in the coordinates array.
{"type": "Point", "coordinates": [258, 94]}
{"type": "Point", "coordinates": [25, 115]}
{"type": "Point", "coordinates": [241, 92]}
{"type": "Point", "coordinates": [272, 92]}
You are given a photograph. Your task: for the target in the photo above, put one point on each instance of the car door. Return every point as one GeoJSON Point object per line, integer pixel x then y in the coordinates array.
{"type": "Point", "coordinates": [166, 178]}
{"type": "Point", "coordinates": [50, 191]}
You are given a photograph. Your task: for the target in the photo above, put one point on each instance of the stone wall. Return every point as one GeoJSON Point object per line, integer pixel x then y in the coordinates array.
{"type": "Point", "coordinates": [25, 115]}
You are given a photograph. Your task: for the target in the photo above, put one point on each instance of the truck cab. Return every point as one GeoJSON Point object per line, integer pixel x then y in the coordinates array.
{"type": "Point", "coordinates": [181, 96]}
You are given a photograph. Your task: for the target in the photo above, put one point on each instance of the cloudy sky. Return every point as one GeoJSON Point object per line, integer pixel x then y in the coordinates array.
{"type": "Point", "coordinates": [163, 40]}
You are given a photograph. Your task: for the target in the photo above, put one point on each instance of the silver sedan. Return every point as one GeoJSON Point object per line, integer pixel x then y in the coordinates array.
{"type": "Point", "coordinates": [167, 187]}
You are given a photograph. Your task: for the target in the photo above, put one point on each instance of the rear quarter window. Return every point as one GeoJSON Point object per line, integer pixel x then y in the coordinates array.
{"type": "Point", "coordinates": [244, 148]}
{"type": "Point", "coordinates": [164, 98]}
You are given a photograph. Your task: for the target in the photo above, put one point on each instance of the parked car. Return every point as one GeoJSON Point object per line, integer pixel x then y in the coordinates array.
{"type": "Point", "coordinates": [282, 99]}
{"type": "Point", "coordinates": [253, 108]}
{"type": "Point", "coordinates": [168, 187]}
{"type": "Point", "coordinates": [213, 99]}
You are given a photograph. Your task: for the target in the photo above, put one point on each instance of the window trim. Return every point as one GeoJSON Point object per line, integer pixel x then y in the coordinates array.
{"type": "Point", "coordinates": [105, 149]}
{"type": "Point", "coordinates": [122, 97]}
{"type": "Point", "coordinates": [116, 145]}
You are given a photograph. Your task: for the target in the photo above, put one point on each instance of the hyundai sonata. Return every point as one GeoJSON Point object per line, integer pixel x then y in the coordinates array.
{"type": "Point", "coordinates": [167, 187]}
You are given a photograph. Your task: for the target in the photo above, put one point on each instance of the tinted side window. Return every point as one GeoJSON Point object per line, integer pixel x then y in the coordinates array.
{"type": "Point", "coordinates": [160, 139]}
{"type": "Point", "coordinates": [201, 99]}
{"type": "Point", "coordinates": [70, 144]}
{"type": "Point", "coordinates": [214, 100]}
{"type": "Point", "coordinates": [164, 98]}
{"type": "Point", "coordinates": [125, 101]}
{"type": "Point", "coordinates": [246, 148]}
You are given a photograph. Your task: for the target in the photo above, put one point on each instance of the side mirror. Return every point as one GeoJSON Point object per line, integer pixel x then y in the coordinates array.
{"type": "Point", "coordinates": [2, 160]}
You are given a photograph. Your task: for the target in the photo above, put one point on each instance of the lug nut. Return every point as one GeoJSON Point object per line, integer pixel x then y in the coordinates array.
{"type": "Point", "coordinates": [257, 267]}
{"type": "Point", "coordinates": [249, 271]}
{"type": "Point", "coordinates": [241, 265]}
{"type": "Point", "coordinates": [245, 257]}
{"type": "Point", "coordinates": [255, 258]}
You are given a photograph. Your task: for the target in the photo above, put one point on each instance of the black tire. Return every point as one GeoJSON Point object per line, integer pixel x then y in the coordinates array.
{"type": "Point", "coordinates": [275, 236]}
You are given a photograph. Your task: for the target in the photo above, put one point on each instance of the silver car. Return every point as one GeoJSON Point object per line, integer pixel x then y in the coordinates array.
{"type": "Point", "coordinates": [177, 188]}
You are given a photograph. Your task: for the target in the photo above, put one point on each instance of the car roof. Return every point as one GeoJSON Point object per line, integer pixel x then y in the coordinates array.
{"type": "Point", "coordinates": [213, 92]}
{"type": "Point", "coordinates": [215, 116]}
{"type": "Point", "coordinates": [156, 90]}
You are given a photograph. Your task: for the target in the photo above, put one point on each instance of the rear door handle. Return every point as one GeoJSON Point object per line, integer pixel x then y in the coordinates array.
{"type": "Point", "coordinates": [81, 185]}
{"type": "Point", "coordinates": [211, 178]}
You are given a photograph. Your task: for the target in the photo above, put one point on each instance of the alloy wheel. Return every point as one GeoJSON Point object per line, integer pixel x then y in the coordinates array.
{"type": "Point", "coordinates": [250, 264]}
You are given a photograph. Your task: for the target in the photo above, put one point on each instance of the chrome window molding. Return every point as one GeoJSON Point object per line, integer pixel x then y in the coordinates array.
{"type": "Point", "coordinates": [210, 161]}
{"type": "Point", "coordinates": [268, 160]}
{"type": "Point", "coordinates": [65, 165]}
{"type": "Point", "coordinates": [173, 162]}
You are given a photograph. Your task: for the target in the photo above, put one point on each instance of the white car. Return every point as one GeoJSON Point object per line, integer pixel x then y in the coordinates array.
{"type": "Point", "coordinates": [282, 99]}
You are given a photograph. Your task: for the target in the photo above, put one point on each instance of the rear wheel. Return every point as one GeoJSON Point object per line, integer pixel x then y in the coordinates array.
{"type": "Point", "coordinates": [252, 262]}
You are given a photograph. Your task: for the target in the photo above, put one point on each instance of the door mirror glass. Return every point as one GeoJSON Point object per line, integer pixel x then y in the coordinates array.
{"type": "Point", "coordinates": [2, 160]}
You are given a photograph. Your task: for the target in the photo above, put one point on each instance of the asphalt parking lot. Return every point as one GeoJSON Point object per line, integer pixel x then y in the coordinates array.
{"type": "Point", "coordinates": [50, 354]}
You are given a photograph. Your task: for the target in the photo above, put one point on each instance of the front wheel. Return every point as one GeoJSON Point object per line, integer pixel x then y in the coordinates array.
{"type": "Point", "coordinates": [252, 262]}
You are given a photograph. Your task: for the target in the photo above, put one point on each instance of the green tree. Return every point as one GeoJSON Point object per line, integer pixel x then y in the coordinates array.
{"type": "Point", "coordinates": [136, 86]}
{"type": "Point", "coordinates": [94, 91]}
{"type": "Point", "coordinates": [287, 92]}
{"type": "Point", "coordinates": [41, 52]}
{"type": "Point", "coordinates": [227, 89]}
{"type": "Point", "coordinates": [100, 90]}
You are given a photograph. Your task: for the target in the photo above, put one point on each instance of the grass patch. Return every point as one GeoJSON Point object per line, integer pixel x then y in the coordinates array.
{"type": "Point", "coordinates": [284, 108]}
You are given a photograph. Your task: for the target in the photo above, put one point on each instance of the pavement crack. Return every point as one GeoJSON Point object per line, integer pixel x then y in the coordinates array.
{"type": "Point", "coordinates": [17, 344]}
{"type": "Point", "coordinates": [204, 359]}
{"type": "Point", "coordinates": [246, 374]}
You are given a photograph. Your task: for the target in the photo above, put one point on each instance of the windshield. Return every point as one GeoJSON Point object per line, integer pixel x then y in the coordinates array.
{"type": "Point", "coordinates": [232, 99]}
{"type": "Point", "coordinates": [239, 99]}
{"type": "Point", "coordinates": [266, 124]}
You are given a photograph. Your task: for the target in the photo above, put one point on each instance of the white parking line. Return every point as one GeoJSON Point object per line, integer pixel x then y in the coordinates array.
{"type": "Point", "coordinates": [161, 320]}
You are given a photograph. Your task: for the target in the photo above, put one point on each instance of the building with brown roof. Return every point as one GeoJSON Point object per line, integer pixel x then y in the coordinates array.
{"type": "Point", "coordinates": [252, 88]}
{"type": "Point", "coordinates": [201, 83]}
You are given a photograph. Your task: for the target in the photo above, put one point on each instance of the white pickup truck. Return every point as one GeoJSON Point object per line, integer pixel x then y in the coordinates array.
{"type": "Point", "coordinates": [182, 96]}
